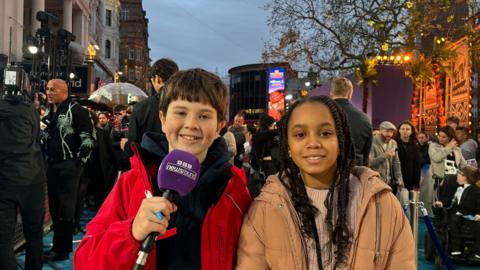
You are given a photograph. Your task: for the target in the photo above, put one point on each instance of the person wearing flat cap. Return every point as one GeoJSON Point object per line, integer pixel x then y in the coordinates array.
{"type": "Point", "coordinates": [384, 156]}
{"type": "Point", "coordinates": [69, 144]}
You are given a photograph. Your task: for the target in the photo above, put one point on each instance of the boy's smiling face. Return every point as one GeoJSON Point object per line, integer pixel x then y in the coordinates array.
{"type": "Point", "coordinates": [190, 126]}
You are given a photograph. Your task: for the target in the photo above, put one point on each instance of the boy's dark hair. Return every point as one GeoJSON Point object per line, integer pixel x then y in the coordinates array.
{"type": "Point", "coordinates": [453, 119]}
{"type": "Point", "coordinates": [338, 229]}
{"type": "Point", "coordinates": [197, 85]}
{"type": "Point", "coordinates": [449, 131]}
{"type": "Point", "coordinates": [471, 173]}
{"type": "Point", "coordinates": [164, 68]}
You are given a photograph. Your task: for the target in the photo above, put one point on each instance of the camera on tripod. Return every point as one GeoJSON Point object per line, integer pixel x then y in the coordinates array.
{"type": "Point", "coordinates": [15, 81]}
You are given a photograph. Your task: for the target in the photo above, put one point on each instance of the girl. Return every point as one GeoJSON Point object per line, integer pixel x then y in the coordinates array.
{"type": "Point", "coordinates": [320, 212]}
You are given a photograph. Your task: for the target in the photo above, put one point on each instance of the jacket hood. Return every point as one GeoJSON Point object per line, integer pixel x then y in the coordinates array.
{"type": "Point", "coordinates": [370, 184]}
{"type": "Point", "coordinates": [155, 144]}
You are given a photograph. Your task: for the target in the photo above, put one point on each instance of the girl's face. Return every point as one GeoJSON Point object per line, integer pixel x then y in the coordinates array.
{"type": "Point", "coordinates": [443, 139]}
{"type": "Point", "coordinates": [405, 131]}
{"type": "Point", "coordinates": [313, 143]}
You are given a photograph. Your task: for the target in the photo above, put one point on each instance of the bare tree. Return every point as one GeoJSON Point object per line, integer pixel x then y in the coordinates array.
{"type": "Point", "coordinates": [335, 35]}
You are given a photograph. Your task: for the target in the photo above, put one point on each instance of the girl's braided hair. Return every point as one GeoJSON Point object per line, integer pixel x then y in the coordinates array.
{"type": "Point", "coordinates": [290, 177]}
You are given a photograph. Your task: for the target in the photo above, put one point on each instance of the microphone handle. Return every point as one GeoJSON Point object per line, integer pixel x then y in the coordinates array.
{"type": "Point", "coordinates": [147, 244]}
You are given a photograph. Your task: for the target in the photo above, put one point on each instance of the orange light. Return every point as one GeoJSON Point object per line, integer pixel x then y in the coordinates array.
{"type": "Point", "coordinates": [385, 57]}
{"type": "Point", "coordinates": [379, 57]}
{"type": "Point", "coordinates": [398, 58]}
{"type": "Point", "coordinates": [406, 58]}
{"type": "Point", "coordinates": [392, 58]}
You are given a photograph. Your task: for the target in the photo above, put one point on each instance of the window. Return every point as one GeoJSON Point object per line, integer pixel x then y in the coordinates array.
{"type": "Point", "coordinates": [108, 17]}
{"type": "Point", "coordinates": [131, 53]}
{"type": "Point", "coordinates": [124, 14]}
{"type": "Point", "coordinates": [108, 49]}
{"type": "Point", "coordinates": [139, 54]}
{"type": "Point", "coordinates": [138, 75]}
{"type": "Point", "coordinates": [131, 74]}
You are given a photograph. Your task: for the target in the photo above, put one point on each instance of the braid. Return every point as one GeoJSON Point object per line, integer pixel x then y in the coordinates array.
{"type": "Point", "coordinates": [338, 193]}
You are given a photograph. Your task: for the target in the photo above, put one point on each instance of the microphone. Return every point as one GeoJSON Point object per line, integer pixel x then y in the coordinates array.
{"type": "Point", "coordinates": [178, 174]}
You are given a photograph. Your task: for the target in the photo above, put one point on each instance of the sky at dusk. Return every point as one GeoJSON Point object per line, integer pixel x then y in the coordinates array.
{"type": "Point", "coordinates": [212, 34]}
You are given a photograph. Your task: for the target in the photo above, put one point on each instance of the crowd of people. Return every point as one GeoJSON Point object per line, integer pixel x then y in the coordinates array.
{"type": "Point", "coordinates": [319, 189]}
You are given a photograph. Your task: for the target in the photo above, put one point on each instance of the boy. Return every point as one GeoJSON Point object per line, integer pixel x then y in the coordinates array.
{"type": "Point", "coordinates": [466, 210]}
{"type": "Point", "coordinates": [203, 233]}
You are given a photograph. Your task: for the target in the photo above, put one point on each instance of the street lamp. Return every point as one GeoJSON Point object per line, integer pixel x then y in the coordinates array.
{"type": "Point", "coordinates": [307, 84]}
{"type": "Point", "coordinates": [32, 49]}
{"type": "Point", "coordinates": [288, 97]}
{"type": "Point", "coordinates": [31, 45]}
{"type": "Point", "coordinates": [117, 76]}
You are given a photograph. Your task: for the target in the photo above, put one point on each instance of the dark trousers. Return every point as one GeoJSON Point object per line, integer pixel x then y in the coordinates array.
{"type": "Point", "coordinates": [63, 180]}
{"type": "Point", "coordinates": [456, 222]}
{"type": "Point", "coordinates": [29, 199]}
{"type": "Point", "coordinates": [82, 191]}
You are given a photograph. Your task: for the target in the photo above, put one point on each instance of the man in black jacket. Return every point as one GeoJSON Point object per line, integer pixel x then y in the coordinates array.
{"type": "Point", "coordinates": [69, 144]}
{"type": "Point", "coordinates": [145, 115]}
{"type": "Point", "coordinates": [360, 126]}
{"type": "Point", "coordinates": [22, 180]}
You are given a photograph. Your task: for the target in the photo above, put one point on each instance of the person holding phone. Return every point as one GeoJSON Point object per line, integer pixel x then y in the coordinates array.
{"type": "Point", "coordinates": [446, 158]}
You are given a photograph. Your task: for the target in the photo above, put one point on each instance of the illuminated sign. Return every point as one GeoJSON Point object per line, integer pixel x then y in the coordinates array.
{"type": "Point", "coordinates": [276, 79]}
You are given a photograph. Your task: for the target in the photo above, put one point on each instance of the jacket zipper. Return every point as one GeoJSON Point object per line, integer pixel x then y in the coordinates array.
{"type": "Point", "coordinates": [378, 228]}
{"type": "Point", "coordinates": [296, 220]}
{"type": "Point", "coordinates": [357, 233]}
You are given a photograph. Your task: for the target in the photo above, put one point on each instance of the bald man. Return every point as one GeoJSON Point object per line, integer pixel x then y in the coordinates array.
{"type": "Point", "coordinates": [69, 144]}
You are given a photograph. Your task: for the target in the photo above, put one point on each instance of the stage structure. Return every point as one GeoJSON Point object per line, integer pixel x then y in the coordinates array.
{"type": "Point", "coordinates": [454, 94]}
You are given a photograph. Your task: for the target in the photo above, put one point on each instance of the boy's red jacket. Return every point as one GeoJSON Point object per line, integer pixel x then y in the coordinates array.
{"type": "Point", "coordinates": [109, 244]}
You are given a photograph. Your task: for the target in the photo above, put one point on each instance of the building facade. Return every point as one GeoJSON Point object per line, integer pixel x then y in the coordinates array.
{"type": "Point", "coordinates": [94, 24]}
{"type": "Point", "coordinates": [249, 89]}
{"type": "Point", "coordinates": [111, 38]}
{"type": "Point", "coordinates": [134, 51]}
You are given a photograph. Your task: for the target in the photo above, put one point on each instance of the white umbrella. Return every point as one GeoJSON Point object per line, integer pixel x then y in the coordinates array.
{"type": "Point", "coordinates": [118, 93]}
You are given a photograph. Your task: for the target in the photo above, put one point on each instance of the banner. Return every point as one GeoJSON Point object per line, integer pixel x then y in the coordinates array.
{"type": "Point", "coordinates": [430, 108]}
{"type": "Point", "coordinates": [276, 79]}
{"type": "Point", "coordinates": [458, 86]}
{"type": "Point", "coordinates": [276, 88]}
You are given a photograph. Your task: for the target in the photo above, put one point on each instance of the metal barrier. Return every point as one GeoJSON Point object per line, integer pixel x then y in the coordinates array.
{"type": "Point", "coordinates": [413, 217]}
{"type": "Point", "coordinates": [415, 206]}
